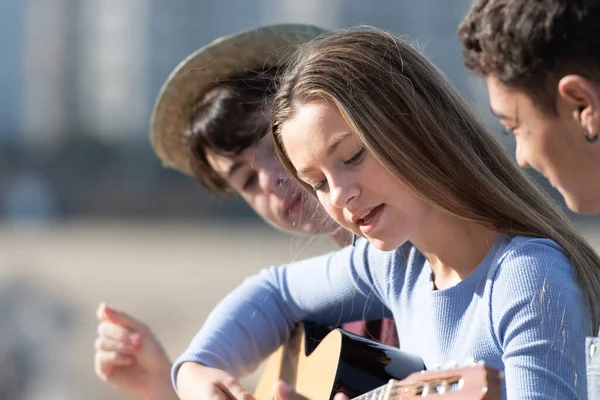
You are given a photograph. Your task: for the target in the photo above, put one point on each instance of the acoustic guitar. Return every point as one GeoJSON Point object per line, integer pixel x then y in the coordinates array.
{"type": "Point", "coordinates": [319, 363]}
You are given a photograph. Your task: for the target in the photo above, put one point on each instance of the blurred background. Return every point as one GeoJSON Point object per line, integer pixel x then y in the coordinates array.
{"type": "Point", "coordinates": [87, 213]}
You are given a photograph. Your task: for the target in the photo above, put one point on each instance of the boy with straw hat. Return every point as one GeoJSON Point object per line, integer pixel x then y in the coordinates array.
{"type": "Point", "coordinates": [208, 122]}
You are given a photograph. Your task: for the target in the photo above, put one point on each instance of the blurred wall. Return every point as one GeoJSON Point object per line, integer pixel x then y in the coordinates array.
{"type": "Point", "coordinates": [79, 79]}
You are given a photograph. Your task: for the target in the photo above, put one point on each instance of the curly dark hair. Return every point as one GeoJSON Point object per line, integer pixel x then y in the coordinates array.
{"type": "Point", "coordinates": [531, 44]}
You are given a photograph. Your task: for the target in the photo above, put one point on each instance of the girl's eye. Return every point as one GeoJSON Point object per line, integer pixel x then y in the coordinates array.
{"type": "Point", "coordinates": [319, 185]}
{"type": "Point", "coordinates": [356, 158]}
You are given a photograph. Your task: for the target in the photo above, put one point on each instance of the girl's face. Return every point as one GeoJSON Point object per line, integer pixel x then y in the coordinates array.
{"type": "Point", "coordinates": [354, 187]}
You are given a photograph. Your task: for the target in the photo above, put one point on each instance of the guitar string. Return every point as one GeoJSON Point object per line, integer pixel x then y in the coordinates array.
{"type": "Point", "coordinates": [415, 388]}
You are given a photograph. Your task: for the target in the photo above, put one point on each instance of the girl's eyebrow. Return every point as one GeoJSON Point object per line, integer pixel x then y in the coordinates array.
{"type": "Point", "coordinates": [329, 151]}
{"type": "Point", "coordinates": [336, 142]}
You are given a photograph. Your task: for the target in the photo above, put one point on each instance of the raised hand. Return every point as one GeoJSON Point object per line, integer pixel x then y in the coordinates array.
{"type": "Point", "coordinates": [130, 357]}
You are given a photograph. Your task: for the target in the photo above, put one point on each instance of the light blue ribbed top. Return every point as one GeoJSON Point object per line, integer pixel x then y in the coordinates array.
{"type": "Point", "coordinates": [521, 311]}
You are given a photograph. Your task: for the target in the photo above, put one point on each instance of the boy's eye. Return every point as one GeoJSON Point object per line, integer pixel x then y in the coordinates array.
{"type": "Point", "coordinates": [250, 182]}
{"type": "Point", "coordinates": [508, 131]}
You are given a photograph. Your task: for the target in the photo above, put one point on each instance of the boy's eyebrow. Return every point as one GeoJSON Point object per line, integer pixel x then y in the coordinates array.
{"type": "Point", "coordinates": [498, 114]}
{"type": "Point", "coordinates": [233, 168]}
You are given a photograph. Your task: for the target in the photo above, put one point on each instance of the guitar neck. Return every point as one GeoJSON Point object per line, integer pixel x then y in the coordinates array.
{"type": "Point", "coordinates": [378, 394]}
{"type": "Point", "coordinates": [473, 383]}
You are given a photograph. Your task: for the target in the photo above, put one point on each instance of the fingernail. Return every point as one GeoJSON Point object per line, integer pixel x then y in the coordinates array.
{"type": "Point", "coordinates": [100, 310]}
{"type": "Point", "coordinates": [135, 338]}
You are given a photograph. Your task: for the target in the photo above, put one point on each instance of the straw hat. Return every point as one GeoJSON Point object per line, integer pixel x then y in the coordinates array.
{"type": "Point", "coordinates": [224, 58]}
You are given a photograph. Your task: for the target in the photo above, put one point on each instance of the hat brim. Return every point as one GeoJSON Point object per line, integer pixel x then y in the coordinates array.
{"type": "Point", "coordinates": [224, 58]}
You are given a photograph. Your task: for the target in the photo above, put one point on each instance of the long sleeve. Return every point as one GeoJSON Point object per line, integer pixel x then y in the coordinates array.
{"type": "Point", "coordinates": [540, 319]}
{"type": "Point", "coordinates": [258, 316]}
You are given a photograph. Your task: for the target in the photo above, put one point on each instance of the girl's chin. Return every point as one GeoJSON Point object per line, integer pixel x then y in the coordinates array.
{"type": "Point", "coordinates": [384, 245]}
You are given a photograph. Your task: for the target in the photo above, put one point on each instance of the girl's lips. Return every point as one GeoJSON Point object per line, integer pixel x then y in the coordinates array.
{"type": "Point", "coordinates": [369, 223]}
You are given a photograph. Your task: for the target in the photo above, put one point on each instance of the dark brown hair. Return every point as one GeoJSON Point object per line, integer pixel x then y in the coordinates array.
{"type": "Point", "coordinates": [531, 44]}
{"type": "Point", "coordinates": [228, 120]}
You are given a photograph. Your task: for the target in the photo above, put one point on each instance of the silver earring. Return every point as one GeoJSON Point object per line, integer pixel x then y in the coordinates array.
{"type": "Point", "coordinates": [589, 137]}
{"type": "Point", "coordinates": [353, 239]}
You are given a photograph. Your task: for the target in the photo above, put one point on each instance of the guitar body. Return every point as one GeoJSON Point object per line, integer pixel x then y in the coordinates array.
{"type": "Point", "coordinates": [318, 363]}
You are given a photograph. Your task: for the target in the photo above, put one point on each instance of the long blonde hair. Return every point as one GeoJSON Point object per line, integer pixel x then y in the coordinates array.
{"type": "Point", "coordinates": [417, 125]}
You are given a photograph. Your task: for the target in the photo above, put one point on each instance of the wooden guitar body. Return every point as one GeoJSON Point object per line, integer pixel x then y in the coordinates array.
{"type": "Point", "coordinates": [318, 363]}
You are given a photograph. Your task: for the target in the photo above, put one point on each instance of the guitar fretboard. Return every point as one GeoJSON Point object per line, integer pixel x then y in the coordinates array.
{"type": "Point", "coordinates": [377, 394]}
{"type": "Point", "coordinates": [394, 387]}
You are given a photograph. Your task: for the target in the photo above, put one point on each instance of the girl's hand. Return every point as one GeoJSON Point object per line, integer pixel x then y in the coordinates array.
{"type": "Point", "coordinates": [284, 392]}
{"type": "Point", "coordinates": [199, 382]}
